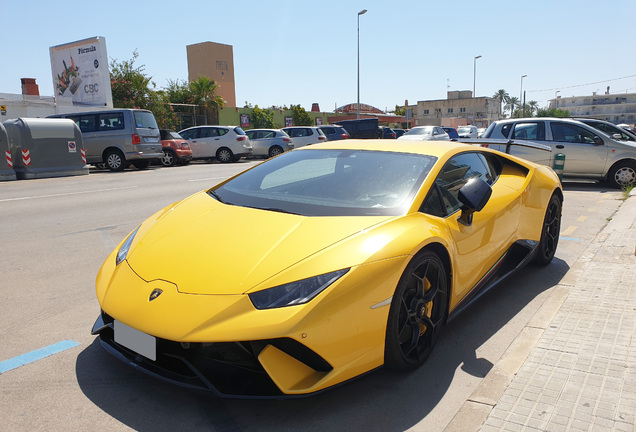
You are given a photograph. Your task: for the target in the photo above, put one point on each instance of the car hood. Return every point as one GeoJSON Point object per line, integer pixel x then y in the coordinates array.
{"type": "Point", "coordinates": [205, 247]}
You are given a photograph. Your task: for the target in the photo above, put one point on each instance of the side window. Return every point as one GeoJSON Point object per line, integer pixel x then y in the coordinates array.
{"type": "Point", "coordinates": [563, 132]}
{"type": "Point", "coordinates": [208, 132]}
{"type": "Point", "coordinates": [111, 121]}
{"type": "Point", "coordinates": [309, 132]}
{"type": "Point", "coordinates": [221, 132]}
{"type": "Point", "coordinates": [505, 129]}
{"type": "Point", "coordinates": [189, 134]}
{"type": "Point", "coordinates": [456, 174]}
{"type": "Point", "coordinates": [433, 203]}
{"type": "Point", "coordinates": [87, 123]}
{"type": "Point", "coordinates": [529, 131]}
{"type": "Point", "coordinates": [267, 134]}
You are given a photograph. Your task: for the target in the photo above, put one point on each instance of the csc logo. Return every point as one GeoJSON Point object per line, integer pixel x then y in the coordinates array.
{"type": "Point", "coordinates": [91, 88]}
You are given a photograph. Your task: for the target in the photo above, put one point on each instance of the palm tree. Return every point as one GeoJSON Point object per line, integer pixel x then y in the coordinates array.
{"type": "Point", "coordinates": [503, 97]}
{"type": "Point", "coordinates": [511, 104]}
{"type": "Point", "coordinates": [533, 106]}
{"type": "Point", "coordinates": [204, 92]}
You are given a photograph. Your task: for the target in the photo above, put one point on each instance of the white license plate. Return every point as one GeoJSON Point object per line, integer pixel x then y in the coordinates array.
{"type": "Point", "coordinates": [133, 339]}
{"type": "Point", "coordinates": [152, 139]}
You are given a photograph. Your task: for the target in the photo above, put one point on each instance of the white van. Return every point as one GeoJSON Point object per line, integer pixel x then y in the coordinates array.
{"type": "Point", "coordinates": [118, 137]}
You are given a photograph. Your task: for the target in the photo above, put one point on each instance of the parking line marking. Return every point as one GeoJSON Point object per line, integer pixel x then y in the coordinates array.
{"type": "Point", "coordinates": [66, 194]}
{"type": "Point", "coordinates": [209, 178]}
{"type": "Point", "coordinates": [591, 209]}
{"type": "Point", "coordinates": [571, 239]}
{"type": "Point", "coordinates": [581, 218]}
{"type": "Point", "coordinates": [38, 354]}
{"type": "Point", "coordinates": [569, 230]}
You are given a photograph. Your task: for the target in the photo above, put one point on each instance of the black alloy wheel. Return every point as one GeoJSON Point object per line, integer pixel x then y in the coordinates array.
{"type": "Point", "coordinates": [418, 312]}
{"type": "Point", "coordinates": [549, 233]}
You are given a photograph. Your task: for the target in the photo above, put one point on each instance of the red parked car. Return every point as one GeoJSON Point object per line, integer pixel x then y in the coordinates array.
{"type": "Point", "coordinates": [176, 149]}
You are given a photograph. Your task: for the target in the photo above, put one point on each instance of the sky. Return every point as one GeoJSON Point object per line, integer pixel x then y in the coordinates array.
{"type": "Point", "coordinates": [302, 52]}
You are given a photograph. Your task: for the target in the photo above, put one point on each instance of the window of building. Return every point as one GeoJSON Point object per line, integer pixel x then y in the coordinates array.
{"type": "Point", "coordinates": [450, 110]}
{"type": "Point", "coordinates": [462, 110]}
{"type": "Point", "coordinates": [426, 112]}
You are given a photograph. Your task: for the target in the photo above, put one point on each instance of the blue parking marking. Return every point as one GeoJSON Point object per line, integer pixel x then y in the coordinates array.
{"type": "Point", "coordinates": [570, 238]}
{"type": "Point", "coordinates": [38, 354]}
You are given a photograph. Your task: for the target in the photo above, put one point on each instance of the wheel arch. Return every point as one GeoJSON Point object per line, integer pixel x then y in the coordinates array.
{"type": "Point", "coordinates": [441, 251]}
{"type": "Point", "coordinates": [621, 161]}
{"type": "Point", "coordinates": [112, 149]}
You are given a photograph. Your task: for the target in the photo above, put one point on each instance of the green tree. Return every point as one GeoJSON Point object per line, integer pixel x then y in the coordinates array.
{"type": "Point", "coordinates": [131, 89]}
{"type": "Point", "coordinates": [399, 110]}
{"type": "Point", "coordinates": [511, 104]}
{"type": "Point", "coordinates": [178, 91]}
{"type": "Point", "coordinates": [204, 94]}
{"type": "Point", "coordinates": [503, 97]}
{"type": "Point", "coordinates": [262, 118]}
{"type": "Point", "coordinates": [533, 106]}
{"type": "Point", "coordinates": [300, 116]}
{"type": "Point", "coordinates": [552, 112]}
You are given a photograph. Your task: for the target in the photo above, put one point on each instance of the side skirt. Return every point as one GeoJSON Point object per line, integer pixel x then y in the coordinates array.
{"type": "Point", "coordinates": [517, 256]}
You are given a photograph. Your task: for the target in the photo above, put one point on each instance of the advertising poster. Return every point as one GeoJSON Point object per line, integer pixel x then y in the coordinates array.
{"type": "Point", "coordinates": [245, 121]}
{"type": "Point", "coordinates": [80, 73]}
{"type": "Point", "coordinates": [289, 121]}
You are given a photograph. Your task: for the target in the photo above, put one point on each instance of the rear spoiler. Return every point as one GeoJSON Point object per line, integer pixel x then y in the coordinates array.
{"type": "Point", "coordinates": [485, 142]}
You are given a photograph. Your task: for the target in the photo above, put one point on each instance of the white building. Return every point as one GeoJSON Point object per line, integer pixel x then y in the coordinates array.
{"type": "Point", "coordinates": [616, 108]}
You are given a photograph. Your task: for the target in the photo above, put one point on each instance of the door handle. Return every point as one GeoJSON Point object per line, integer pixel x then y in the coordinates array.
{"type": "Point", "coordinates": [559, 146]}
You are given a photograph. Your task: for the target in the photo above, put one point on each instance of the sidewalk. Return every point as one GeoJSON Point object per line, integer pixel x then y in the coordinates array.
{"type": "Point", "coordinates": [573, 367]}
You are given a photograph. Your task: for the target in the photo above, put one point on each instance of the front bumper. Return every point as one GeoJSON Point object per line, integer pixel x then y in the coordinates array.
{"type": "Point", "coordinates": [228, 369]}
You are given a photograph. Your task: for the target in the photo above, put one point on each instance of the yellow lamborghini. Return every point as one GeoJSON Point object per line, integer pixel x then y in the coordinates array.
{"type": "Point", "coordinates": [353, 254]}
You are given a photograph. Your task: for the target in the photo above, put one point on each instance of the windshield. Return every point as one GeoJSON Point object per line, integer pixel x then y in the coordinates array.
{"type": "Point", "coordinates": [420, 131]}
{"type": "Point", "coordinates": [463, 130]}
{"type": "Point", "coordinates": [330, 183]}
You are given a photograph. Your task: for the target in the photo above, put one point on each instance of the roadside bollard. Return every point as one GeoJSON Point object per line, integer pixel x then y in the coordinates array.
{"type": "Point", "coordinates": [559, 163]}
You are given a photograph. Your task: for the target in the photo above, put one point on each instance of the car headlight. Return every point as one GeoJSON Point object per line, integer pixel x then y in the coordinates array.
{"type": "Point", "coordinates": [294, 293]}
{"type": "Point", "coordinates": [125, 247]}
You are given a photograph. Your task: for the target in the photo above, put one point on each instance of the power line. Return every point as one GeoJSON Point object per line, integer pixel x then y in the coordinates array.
{"type": "Point", "coordinates": [582, 85]}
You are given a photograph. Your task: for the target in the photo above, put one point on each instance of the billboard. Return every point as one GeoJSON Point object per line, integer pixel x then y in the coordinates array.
{"type": "Point", "coordinates": [80, 73]}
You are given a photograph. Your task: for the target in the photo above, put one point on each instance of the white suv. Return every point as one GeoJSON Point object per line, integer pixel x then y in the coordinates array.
{"type": "Point", "coordinates": [305, 135]}
{"type": "Point", "coordinates": [224, 143]}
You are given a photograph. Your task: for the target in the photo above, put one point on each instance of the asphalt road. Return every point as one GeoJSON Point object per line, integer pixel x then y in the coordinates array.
{"type": "Point", "coordinates": [57, 232]}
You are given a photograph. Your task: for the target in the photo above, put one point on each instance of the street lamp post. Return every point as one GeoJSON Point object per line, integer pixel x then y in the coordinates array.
{"type": "Point", "coordinates": [521, 95]}
{"type": "Point", "coordinates": [475, 72]}
{"type": "Point", "coordinates": [362, 12]}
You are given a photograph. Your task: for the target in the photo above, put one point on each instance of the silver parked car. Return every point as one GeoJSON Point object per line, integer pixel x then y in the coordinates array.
{"type": "Point", "coordinates": [589, 153]}
{"type": "Point", "coordinates": [305, 135]}
{"type": "Point", "coordinates": [269, 142]}
{"type": "Point", "coordinates": [224, 143]}
{"type": "Point", "coordinates": [425, 133]}
{"type": "Point", "coordinates": [468, 131]}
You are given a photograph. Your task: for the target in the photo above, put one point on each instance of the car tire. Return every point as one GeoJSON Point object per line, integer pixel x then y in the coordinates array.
{"type": "Point", "coordinates": [549, 233]}
{"type": "Point", "coordinates": [224, 155]}
{"type": "Point", "coordinates": [169, 158]}
{"type": "Point", "coordinates": [142, 164]}
{"type": "Point", "coordinates": [622, 174]}
{"type": "Point", "coordinates": [115, 160]}
{"type": "Point", "coordinates": [418, 312]}
{"type": "Point", "coordinates": [275, 151]}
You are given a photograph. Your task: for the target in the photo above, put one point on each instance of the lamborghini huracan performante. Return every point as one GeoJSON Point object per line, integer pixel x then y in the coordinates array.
{"type": "Point", "coordinates": [353, 254]}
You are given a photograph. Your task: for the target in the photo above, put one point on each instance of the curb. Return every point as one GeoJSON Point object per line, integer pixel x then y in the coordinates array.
{"type": "Point", "coordinates": [476, 409]}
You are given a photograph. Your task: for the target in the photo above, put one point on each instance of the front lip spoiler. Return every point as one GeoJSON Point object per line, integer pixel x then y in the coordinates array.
{"type": "Point", "coordinates": [196, 381]}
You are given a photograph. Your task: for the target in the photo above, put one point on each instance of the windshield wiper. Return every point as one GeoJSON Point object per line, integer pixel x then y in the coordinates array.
{"type": "Point", "coordinates": [215, 195]}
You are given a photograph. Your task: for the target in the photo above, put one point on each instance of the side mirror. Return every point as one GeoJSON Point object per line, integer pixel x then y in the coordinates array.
{"type": "Point", "coordinates": [598, 140]}
{"type": "Point", "coordinates": [617, 136]}
{"type": "Point", "coordinates": [473, 195]}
